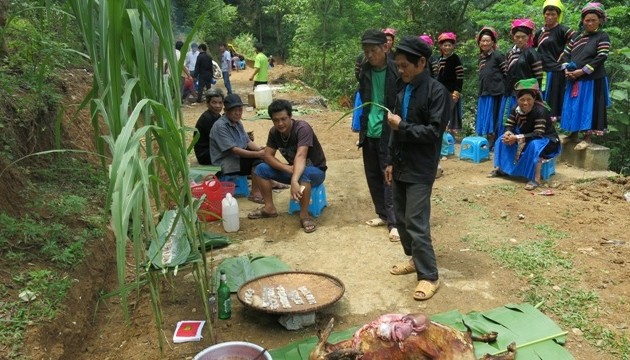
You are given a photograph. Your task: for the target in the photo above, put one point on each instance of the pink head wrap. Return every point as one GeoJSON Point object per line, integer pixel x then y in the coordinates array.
{"type": "Point", "coordinates": [524, 24]}
{"type": "Point", "coordinates": [426, 38]}
{"type": "Point", "coordinates": [490, 31]}
{"type": "Point", "coordinates": [447, 36]}
{"type": "Point", "coordinates": [390, 31]}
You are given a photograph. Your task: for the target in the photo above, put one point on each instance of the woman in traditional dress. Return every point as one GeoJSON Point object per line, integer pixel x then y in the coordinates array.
{"type": "Point", "coordinates": [523, 62]}
{"type": "Point", "coordinates": [450, 72]}
{"type": "Point", "coordinates": [492, 91]}
{"type": "Point", "coordinates": [433, 60]}
{"type": "Point", "coordinates": [586, 96]}
{"type": "Point", "coordinates": [550, 42]}
{"type": "Point", "coordinates": [529, 137]}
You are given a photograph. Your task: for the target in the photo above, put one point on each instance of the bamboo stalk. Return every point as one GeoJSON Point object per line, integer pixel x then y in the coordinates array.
{"type": "Point", "coordinates": [534, 342]}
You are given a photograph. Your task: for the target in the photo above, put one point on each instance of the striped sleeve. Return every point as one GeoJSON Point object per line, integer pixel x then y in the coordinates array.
{"type": "Point", "coordinates": [603, 48]}
{"type": "Point", "coordinates": [459, 77]}
{"type": "Point", "coordinates": [535, 64]}
{"type": "Point", "coordinates": [540, 125]}
{"type": "Point", "coordinates": [510, 122]}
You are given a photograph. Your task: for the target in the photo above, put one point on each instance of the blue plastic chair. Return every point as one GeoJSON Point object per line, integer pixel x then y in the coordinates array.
{"type": "Point", "coordinates": [475, 148]}
{"type": "Point", "coordinates": [317, 204]}
{"type": "Point", "coordinates": [548, 168]}
{"type": "Point", "coordinates": [241, 185]}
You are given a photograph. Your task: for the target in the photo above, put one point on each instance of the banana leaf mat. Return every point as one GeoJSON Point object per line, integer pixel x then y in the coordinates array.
{"type": "Point", "coordinates": [536, 335]}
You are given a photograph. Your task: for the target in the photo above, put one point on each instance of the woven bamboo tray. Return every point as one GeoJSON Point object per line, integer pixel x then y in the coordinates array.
{"type": "Point", "coordinates": [326, 290]}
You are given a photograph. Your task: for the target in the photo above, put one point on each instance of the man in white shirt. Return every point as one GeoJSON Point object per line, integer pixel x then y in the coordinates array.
{"type": "Point", "coordinates": [191, 60]}
{"type": "Point", "coordinates": [226, 66]}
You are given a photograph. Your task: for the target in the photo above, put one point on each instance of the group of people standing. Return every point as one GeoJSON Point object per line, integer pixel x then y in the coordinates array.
{"type": "Point", "coordinates": [412, 98]}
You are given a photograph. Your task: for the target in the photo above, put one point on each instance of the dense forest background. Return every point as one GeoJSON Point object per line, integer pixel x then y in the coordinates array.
{"type": "Point", "coordinates": [321, 37]}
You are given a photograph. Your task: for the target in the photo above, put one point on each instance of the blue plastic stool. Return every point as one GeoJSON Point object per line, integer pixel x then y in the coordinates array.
{"type": "Point", "coordinates": [241, 187]}
{"type": "Point", "coordinates": [548, 168]}
{"type": "Point", "coordinates": [451, 144]}
{"type": "Point", "coordinates": [241, 65]}
{"type": "Point", "coordinates": [476, 148]}
{"type": "Point", "coordinates": [317, 204]}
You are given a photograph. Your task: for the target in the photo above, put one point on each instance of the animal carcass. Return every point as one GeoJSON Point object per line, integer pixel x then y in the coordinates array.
{"type": "Point", "coordinates": [403, 337]}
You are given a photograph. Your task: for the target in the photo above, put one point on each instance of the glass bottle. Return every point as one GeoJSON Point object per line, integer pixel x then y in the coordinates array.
{"type": "Point", "coordinates": [223, 297]}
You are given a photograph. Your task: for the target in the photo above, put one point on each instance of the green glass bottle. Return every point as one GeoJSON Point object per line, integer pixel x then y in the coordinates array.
{"type": "Point", "coordinates": [223, 297]}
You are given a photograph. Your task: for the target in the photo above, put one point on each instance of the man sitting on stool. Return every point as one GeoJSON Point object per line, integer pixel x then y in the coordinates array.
{"type": "Point", "coordinates": [306, 166]}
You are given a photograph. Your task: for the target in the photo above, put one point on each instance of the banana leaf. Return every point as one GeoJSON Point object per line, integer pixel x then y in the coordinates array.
{"type": "Point", "coordinates": [537, 337]}
{"type": "Point", "coordinates": [171, 248]}
{"type": "Point", "coordinates": [239, 270]}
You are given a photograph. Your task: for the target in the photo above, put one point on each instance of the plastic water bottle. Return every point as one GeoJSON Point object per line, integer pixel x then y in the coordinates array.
{"type": "Point", "coordinates": [229, 209]}
{"type": "Point", "coordinates": [223, 294]}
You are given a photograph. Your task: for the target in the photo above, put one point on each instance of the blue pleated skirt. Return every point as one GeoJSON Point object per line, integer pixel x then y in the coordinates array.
{"type": "Point", "coordinates": [586, 110]}
{"type": "Point", "coordinates": [490, 111]}
{"type": "Point", "coordinates": [526, 164]}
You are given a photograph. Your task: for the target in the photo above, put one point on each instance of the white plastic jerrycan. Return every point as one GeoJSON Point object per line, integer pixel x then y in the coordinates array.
{"type": "Point", "coordinates": [229, 208]}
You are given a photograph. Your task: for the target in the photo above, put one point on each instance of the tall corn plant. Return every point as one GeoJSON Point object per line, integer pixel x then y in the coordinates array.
{"type": "Point", "coordinates": [137, 108]}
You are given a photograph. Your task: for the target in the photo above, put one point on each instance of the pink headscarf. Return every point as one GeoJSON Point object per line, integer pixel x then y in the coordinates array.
{"type": "Point", "coordinates": [447, 36]}
{"type": "Point", "coordinates": [426, 38]}
{"type": "Point", "coordinates": [527, 24]}
{"type": "Point", "coordinates": [490, 31]}
{"type": "Point", "coordinates": [390, 31]}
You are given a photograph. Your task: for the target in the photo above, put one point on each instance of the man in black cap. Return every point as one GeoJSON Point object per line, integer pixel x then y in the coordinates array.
{"type": "Point", "coordinates": [377, 84]}
{"type": "Point", "coordinates": [420, 118]}
{"type": "Point", "coordinates": [231, 147]}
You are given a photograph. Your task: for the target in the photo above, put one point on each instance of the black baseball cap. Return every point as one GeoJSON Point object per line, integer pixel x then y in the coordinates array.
{"type": "Point", "coordinates": [373, 36]}
{"type": "Point", "coordinates": [413, 45]}
{"type": "Point", "coordinates": [231, 101]}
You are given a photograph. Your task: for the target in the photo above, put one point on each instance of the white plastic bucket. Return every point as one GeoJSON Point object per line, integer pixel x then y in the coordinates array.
{"type": "Point", "coordinates": [262, 96]}
{"type": "Point", "coordinates": [229, 211]}
{"type": "Point", "coordinates": [233, 350]}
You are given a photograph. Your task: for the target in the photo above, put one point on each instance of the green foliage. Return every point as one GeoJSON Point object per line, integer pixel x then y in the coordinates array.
{"type": "Point", "coordinates": [47, 290]}
{"type": "Point", "coordinates": [244, 45]}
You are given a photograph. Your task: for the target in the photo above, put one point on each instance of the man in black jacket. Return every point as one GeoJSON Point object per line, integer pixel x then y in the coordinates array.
{"type": "Point", "coordinates": [421, 116]}
{"type": "Point", "coordinates": [377, 84]}
{"type": "Point", "coordinates": [203, 71]}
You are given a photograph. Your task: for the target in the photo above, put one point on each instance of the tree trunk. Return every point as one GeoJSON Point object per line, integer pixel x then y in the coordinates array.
{"type": "Point", "coordinates": [4, 11]}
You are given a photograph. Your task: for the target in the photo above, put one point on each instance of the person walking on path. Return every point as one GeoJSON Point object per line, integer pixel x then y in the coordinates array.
{"type": "Point", "coordinates": [586, 95]}
{"type": "Point", "coordinates": [203, 71]}
{"type": "Point", "coordinates": [377, 84]}
{"type": "Point", "coordinates": [418, 123]}
{"type": "Point", "coordinates": [226, 68]}
{"type": "Point", "coordinates": [261, 67]}
{"type": "Point", "coordinates": [305, 167]}
{"type": "Point", "coordinates": [550, 41]}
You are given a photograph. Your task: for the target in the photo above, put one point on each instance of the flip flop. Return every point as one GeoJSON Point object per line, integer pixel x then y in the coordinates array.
{"type": "Point", "coordinates": [308, 225]}
{"type": "Point", "coordinates": [376, 222]}
{"type": "Point", "coordinates": [280, 186]}
{"type": "Point", "coordinates": [403, 268]}
{"type": "Point", "coordinates": [531, 185]}
{"type": "Point", "coordinates": [496, 173]}
{"type": "Point", "coordinates": [582, 145]}
{"type": "Point", "coordinates": [256, 199]}
{"type": "Point", "coordinates": [426, 288]}
{"type": "Point", "coordinates": [261, 214]}
{"type": "Point", "coordinates": [393, 235]}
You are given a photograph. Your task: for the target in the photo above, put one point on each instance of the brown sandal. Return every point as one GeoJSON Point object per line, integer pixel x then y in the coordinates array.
{"type": "Point", "coordinates": [308, 225]}
{"type": "Point", "coordinates": [403, 268]}
{"type": "Point", "coordinates": [426, 288]}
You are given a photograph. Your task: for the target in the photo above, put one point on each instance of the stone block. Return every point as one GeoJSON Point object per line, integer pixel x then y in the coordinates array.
{"type": "Point", "coordinates": [595, 157]}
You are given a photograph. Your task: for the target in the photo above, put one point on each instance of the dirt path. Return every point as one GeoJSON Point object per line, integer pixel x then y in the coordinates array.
{"type": "Point", "coordinates": [466, 206]}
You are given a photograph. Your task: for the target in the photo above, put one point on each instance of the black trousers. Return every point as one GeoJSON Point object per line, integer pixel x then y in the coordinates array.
{"type": "Point", "coordinates": [381, 193]}
{"type": "Point", "coordinates": [412, 203]}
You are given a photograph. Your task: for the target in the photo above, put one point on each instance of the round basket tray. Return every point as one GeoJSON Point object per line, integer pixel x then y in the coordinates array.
{"type": "Point", "coordinates": [325, 290]}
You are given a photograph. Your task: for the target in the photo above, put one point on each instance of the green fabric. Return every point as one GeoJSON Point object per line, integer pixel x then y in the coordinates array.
{"type": "Point", "coordinates": [527, 84]}
{"type": "Point", "coordinates": [536, 335]}
{"type": "Point", "coordinates": [240, 270]}
{"type": "Point", "coordinates": [375, 118]}
{"type": "Point", "coordinates": [262, 63]}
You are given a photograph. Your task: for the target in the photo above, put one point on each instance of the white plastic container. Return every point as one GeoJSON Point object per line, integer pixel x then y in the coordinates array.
{"type": "Point", "coordinates": [262, 96]}
{"type": "Point", "coordinates": [234, 350]}
{"type": "Point", "coordinates": [229, 209]}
